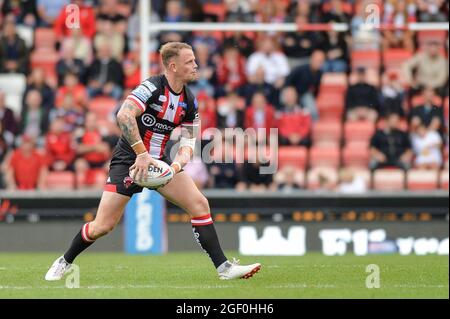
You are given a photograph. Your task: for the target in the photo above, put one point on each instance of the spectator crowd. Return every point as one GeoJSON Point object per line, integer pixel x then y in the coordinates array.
{"type": "Point", "coordinates": [355, 110]}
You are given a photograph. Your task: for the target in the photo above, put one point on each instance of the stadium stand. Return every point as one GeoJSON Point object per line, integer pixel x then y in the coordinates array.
{"type": "Point", "coordinates": [335, 141]}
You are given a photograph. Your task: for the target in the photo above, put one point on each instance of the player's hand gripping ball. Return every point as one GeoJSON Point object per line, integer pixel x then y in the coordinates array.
{"type": "Point", "coordinates": [156, 176]}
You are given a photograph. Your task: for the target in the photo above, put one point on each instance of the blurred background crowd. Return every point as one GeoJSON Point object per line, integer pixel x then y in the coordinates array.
{"type": "Point", "coordinates": [357, 110]}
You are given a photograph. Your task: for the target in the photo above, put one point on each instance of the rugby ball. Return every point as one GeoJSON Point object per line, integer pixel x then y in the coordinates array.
{"type": "Point", "coordinates": [156, 176]}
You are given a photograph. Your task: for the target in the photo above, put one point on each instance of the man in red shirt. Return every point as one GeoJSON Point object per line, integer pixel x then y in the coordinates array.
{"type": "Point", "coordinates": [59, 147]}
{"type": "Point", "coordinates": [26, 168]}
{"type": "Point", "coordinates": [67, 17]}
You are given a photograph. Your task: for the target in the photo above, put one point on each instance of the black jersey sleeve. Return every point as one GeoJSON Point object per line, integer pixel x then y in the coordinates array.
{"type": "Point", "coordinates": [145, 93]}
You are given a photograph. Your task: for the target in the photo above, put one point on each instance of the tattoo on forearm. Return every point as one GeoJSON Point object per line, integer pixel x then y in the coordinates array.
{"type": "Point", "coordinates": [127, 122]}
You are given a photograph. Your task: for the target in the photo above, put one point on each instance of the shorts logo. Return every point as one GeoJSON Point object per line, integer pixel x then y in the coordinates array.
{"type": "Point", "coordinates": [127, 181]}
{"type": "Point", "coordinates": [162, 98]}
{"type": "Point", "coordinates": [148, 120]}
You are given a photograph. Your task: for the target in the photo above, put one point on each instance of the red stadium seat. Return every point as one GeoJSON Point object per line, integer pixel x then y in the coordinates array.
{"type": "Point", "coordinates": [418, 179]}
{"type": "Point", "coordinates": [366, 59]}
{"type": "Point", "coordinates": [360, 131]}
{"type": "Point", "coordinates": [94, 178]}
{"type": "Point", "coordinates": [334, 83]}
{"type": "Point", "coordinates": [44, 38]}
{"type": "Point", "coordinates": [330, 105]}
{"type": "Point", "coordinates": [327, 132]}
{"type": "Point", "coordinates": [322, 178]}
{"type": "Point", "coordinates": [60, 180]}
{"type": "Point", "coordinates": [296, 156]}
{"type": "Point", "coordinates": [394, 58]}
{"type": "Point", "coordinates": [324, 157]}
{"type": "Point", "coordinates": [436, 35]}
{"type": "Point", "coordinates": [443, 179]}
{"type": "Point", "coordinates": [356, 155]}
{"type": "Point", "coordinates": [389, 180]}
{"type": "Point", "coordinates": [103, 106]}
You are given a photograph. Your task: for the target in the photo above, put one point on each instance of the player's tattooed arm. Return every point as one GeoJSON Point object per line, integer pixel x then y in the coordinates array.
{"type": "Point", "coordinates": [126, 118]}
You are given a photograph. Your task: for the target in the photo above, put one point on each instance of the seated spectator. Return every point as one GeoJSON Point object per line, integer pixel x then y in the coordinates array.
{"type": "Point", "coordinates": [274, 62]}
{"type": "Point", "coordinates": [69, 64]}
{"type": "Point", "coordinates": [286, 180]}
{"type": "Point", "coordinates": [24, 11]}
{"type": "Point", "coordinates": [25, 168]}
{"type": "Point", "coordinates": [240, 40]}
{"type": "Point", "coordinates": [294, 124]}
{"type": "Point", "coordinates": [392, 95]}
{"type": "Point", "coordinates": [34, 116]}
{"type": "Point", "coordinates": [398, 13]}
{"type": "Point", "coordinates": [108, 12]}
{"type": "Point", "coordinates": [259, 84]}
{"type": "Point", "coordinates": [250, 177]}
{"type": "Point", "coordinates": [364, 38]}
{"type": "Point", "coordinates": [428, 114]}
{"type": "Point", "coordinates": [430, 10]}
{"type": "Point", "coordinates": [336, 51]}
{"type": "Point", "coordinates": [306, 79]}
{"type": "Point", "coordinates": [361, 101]}
{"type": "Point", "coordinates": [59, 147]}
{"type": "Point", "coordinates": [198, 171]}
{"type": "Point", "coordinates": [105, 75]}
{"type": "Point", "coordinates": [7, 118]}
{"type": "Point", "coordinates": [92, 149]}
{"type": "Point", "coordinates": [222, 167]}
{"type": "Point", "coordinates": [231, 71]}
{"type": "Point", "coordinates": [230, 113]}
{"type": "Point", "coordinates": [207, 38]}
{"type": "Point", "coordinates": [108, 35]}
{"type": "Point", "coordinates": [132, 67]}
{"type": "Point", "coordinates": [427, 146]}
{"type": "Point", "coordinates": [240, 10]}
{"type": "Point", "coordinates": [206, 69]}
{"type": "Point", "coordinates": [174, 13]}
{"type": "Point", "coordinates": [13, 50]}
{"type": "Point", "coordinates": [426, 69]}
{"type": "Point", "coordinates": [86, 21]}
{"type": "Point", "coordinates": [48, 11]}
{"type": "Point", "coordinates": [349, 183]}
{"type": "Point", "coordinates": [207, 111]}
{"type": "Point", "coordinates": [75, 89]}
{"type": "Point", "coordinates": [37, 81]}
{"type": "Point", "coordinates": [6, 144]}
{"type": "Point", "coordinates": [134, 33]}
{"type": "Point", "coordinates": [72, 115]}
{"type": "Point", "coordinates": [336, 11]}
{"type": "Point", "coordinates": [260, 114]}
{"type": "Point", "coordinates": [80, 45]}
{"type": "Point", "coordinates": [299, 45]}
{"type": "Point", "coordinates": [390, 146]}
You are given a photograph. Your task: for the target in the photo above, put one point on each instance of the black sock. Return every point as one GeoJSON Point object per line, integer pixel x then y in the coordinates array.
{"type": "Point", "coordinates": [206, 236]}
{"type": "Point", "coordinates": [79, 243]}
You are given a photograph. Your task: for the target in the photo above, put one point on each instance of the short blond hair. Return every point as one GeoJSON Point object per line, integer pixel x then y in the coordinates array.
{"type": "Point", "coordinates": [172, 49]}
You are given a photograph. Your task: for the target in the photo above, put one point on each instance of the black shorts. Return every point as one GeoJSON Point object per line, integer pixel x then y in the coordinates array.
{"type": "Point", "coordinates": [119, 180]}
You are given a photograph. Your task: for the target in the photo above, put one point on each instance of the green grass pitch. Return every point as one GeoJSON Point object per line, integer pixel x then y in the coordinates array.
{"type": "Point", "coordinates": [191, 275]}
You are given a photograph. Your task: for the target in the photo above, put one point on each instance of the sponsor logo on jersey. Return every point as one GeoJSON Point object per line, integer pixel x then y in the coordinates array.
{"type": "Point", "coordinates": [148, 120]}
{"type": "Point", "coordinates": [149, 86]}
{"type": "Point", "coordinates": [142, 93]}
{"type": "Point", "coordinates": [162, 98]}
{"type": "Point", "coordinates": [156, 107]}
{"type": "Point", "coordinates": [182, 104]}
{"type": "Point", "coordinates": [195, 103]}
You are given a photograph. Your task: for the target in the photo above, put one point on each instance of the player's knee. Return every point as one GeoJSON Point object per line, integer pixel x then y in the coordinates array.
{"type": "Point", "coordinates": [200, 206]}
{"type": "Point", "coordinates": [100, 230]}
